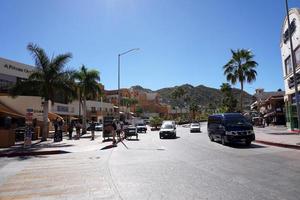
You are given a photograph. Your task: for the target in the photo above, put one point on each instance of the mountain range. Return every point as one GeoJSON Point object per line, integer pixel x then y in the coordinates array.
{"type": "Point", "coordinates": [201, 95]}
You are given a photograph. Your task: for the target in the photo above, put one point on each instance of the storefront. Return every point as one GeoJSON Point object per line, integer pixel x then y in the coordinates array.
{"type": "Point", "coordinates": [289, 98]}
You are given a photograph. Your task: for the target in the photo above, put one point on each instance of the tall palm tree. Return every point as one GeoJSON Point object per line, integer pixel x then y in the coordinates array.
{"type": "Point", "coordinates": [47, 79]}
{"type": "Point", "coordinates": [241, 68]}
{"type": "Point", "coordinates": [88, 84]}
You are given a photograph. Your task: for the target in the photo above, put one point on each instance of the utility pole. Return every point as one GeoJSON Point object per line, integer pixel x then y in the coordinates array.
{"type": "Point", "coordinates": [119, 64]}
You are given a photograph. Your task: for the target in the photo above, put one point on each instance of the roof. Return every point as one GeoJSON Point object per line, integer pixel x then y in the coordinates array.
{"type": "Point", "coordinates": [265, 95]}
{"type": "Point", "coordinates": [6, 111]}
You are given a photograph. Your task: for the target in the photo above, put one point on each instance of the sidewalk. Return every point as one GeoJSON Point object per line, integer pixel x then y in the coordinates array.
{"type": "Point", "coordinates": [49, 147]}
{"type": "Point", "coordinates": [277, 136]}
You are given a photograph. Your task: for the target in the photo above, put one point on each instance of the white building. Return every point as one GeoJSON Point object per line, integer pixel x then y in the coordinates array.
{"type": "Point", "coordinates": [294, 13]}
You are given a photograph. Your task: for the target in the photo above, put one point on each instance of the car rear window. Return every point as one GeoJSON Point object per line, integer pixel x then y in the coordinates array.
{"type": "Point", "coordinates": [167, 126]}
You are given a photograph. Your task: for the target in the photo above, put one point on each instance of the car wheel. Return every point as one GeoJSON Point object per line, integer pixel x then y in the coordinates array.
{"type": "Point", "coordinates": [223, 140]}
{"type": "Point", "coordinates": [211, 138]}
{"type": "Point", "coordinates": [248, 142]}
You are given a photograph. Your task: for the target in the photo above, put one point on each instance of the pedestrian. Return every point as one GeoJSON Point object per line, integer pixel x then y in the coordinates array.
{"type": "Point", "coordinates": [78, 126]}
{"type": "Point", "coordinates": [118, 129]}
{"type": "Point", "coordinates": [55, 125]}
{"type": "Point", "coordinates": [114, 125]}
{"type": "Point", "coordinates": [70, 130]}
{"type": "Point", "coordinates": [268, 121]}
{"type": "Point", "coordinates": [93, 129]}
{"type": "Point", "coordinates": [60, 129]}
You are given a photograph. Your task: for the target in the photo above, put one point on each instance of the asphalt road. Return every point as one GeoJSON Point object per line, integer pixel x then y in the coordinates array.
{"type": "Point", "coordinates": [192, 167]}
{"type": "Point", "coordinates": [189, 167]}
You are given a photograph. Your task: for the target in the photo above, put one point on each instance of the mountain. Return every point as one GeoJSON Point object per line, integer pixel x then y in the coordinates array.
{"type": "Point", "coordinates": [201, 94]}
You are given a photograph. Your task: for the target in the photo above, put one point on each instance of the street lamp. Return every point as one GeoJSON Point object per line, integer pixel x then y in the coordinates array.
{"type": "Point", "coordinates": [119, 63]}
{"type": "Point", "coordinates": [293, 63]}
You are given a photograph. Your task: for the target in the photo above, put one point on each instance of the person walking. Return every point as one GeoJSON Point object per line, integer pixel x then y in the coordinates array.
{"type": "Point", "coordinates": [118, 129]}
{"type": "Point", "coordinates": [60, 129]}
{"type": "Point", "coordinates": [93, 129]}
{"type": "Point", "coordinates": [70, 130]}
{"type": "Point", "coordinates": [78, 126]}
{"type": "Point", "coordinates": [114, 125]}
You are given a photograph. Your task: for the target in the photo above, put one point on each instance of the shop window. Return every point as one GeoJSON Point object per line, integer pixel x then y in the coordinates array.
{"type": "Point", "coordinates": [288, 66]}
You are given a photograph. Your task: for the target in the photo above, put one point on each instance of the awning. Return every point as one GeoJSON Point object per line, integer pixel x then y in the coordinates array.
{"type": "Point", "coordinates": [53, 116]}
{"type": "Point", "coordinates": [6, 111]}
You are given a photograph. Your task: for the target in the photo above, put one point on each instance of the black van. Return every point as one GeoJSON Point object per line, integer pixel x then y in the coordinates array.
{"type": "Point", "coordinates": [230, 127]}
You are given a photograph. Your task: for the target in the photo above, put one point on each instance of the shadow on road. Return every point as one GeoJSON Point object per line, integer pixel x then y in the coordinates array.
{"type": "Point", "coordinates": [243, 146]}
{"type": "Point", "coordinates": [170, 138]}
{"type": "Point", "coordinates": [132, 139]}
{"type": "Point", "coordinates": [109, 147]}
{"type": "Point", "coordinates": [107, 140]}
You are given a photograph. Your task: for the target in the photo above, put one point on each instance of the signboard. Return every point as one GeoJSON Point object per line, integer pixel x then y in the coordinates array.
{"type": "Point", "coordinates": [15, 69]}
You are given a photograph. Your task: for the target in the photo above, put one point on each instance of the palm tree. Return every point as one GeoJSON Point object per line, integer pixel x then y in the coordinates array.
{"type": "Point", "coordinates": [177, 94]}
{"type": "Point", "coordinates": [228, 102]}
{"type": "Point", "coordinates": [193, 108]}
{"type": "Point", "coordinates": [241, 68]}
{"type": "Point", "coordinates": [47, 80]}
{"type": "Point", "coordinates": [88, 84]}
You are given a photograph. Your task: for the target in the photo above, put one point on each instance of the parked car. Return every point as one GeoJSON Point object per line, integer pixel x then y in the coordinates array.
{"type": "Point", "coordinates": [230, 127]}
{"type": "Point", "coordinates": [168, 129]}
{"type": "Point", "coordinates": [195, 127]}
{"type": "Point", "coordinates": [141, 128]}
{"type": "Point", "coordinates": [131, 131]}
{"type": "Point", "coordinates": [98, 127]}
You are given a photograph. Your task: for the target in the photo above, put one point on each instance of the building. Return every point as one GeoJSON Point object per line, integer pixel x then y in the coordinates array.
{"type": "Point", "coordinates": [10, 72]}
{"type": "Point", "coordinates": [289, 98]}
{"type": "Point", "coordinates": [270, 105]}
{"type": "Point", "coordinates": [17, 108]}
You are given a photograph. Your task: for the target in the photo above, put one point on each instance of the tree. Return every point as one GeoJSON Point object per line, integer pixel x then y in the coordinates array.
{"type": "Point", "coordinates": [177, 94]}
{"type": "Point", "coordinates": [88, 85]}
{"type": "Point", "coordinates": [241, 68]}
{"type": "Point", "coordinates": [194, 108]}
{"type": "Point", "coordinates": [155, 122]}
{"type": "Point", "coordinates": [139, 111]}
{"type": "Point", "coordinates": [128, 102]}
{"type": "Point", "coordinates": [229, 103]}
{"type": "Point", "coordinates": [47, 79]}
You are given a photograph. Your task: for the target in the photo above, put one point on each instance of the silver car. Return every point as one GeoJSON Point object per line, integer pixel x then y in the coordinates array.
{"type": "Point", "coordinates": [195, 127]}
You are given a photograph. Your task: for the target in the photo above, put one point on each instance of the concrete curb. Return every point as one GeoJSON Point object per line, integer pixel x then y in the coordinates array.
{"type": "Point", "coordinates": [32, 153]}
{"type": "Point", "coordinates": [290, 146]}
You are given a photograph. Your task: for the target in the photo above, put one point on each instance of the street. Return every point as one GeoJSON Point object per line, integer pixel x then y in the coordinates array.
{"type": "Point", "coordinates": [189, 167]}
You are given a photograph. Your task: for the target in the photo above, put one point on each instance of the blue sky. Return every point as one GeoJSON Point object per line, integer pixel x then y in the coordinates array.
{"type": "Point", "coordinates": [181, 41]}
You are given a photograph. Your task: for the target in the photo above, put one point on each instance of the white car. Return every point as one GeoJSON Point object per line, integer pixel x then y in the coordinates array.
{"type": "Point", "coordinates": [168, 129]}
{"type": "Point", "coordinates": [195, 127]}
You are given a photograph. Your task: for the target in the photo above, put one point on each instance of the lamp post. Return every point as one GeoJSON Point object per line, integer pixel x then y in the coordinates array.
{"type": "Point", "coordinates": [293, 63]}
{"type": "Point", "coordinates": [119, 63]}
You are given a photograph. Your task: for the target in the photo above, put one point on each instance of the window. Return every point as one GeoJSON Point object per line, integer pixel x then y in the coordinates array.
{"type": "Point", "coordinates": [93, 109]}
{"type": "Point", "coordinates": [288, 66]}
{"type": "Point", "coordinates": [297, 55]}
